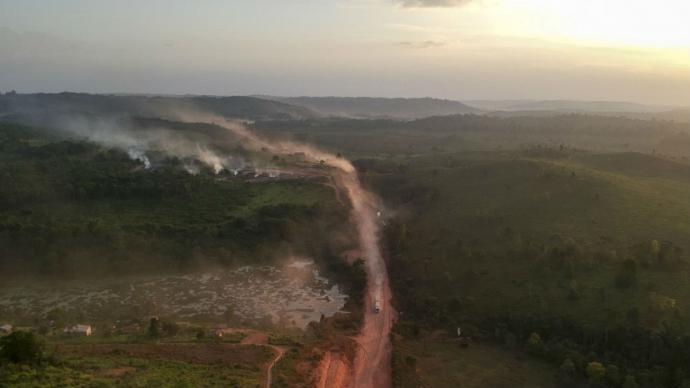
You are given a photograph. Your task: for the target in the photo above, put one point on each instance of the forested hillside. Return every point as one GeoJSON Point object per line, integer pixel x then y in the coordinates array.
{"type": "Point", "coordinates": [47, 107]}
{"type": "Point", "coordinates": [368, 107]}
{"type": "Point", "coordinates": [380, 138]}
{"type": "Point", "coordinates": [574, 257]}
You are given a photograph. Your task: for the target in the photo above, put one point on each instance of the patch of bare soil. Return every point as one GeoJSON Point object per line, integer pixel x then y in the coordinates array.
{"type": "Point", "coordinates": [255, 338]}
{"type": "Point", "coordinates": [117, 373]}
{"type": "Point", "coordinates": [334, 371]}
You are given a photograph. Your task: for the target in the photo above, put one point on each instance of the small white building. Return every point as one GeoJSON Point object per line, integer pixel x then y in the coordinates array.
{"type": "Point", "coordinates": [79, 330]}
{"type": "Point", "coordinates": [6, 329]}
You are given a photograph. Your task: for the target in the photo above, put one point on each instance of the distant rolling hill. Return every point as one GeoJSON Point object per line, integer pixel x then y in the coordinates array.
{"type": "Point", "coordinates": [369, 107]}
{"type": "Point", "coordinates": [528, 108]}
{"type": "Point", "coordinates": [566, 106]}
{"type": "Point", "coordinates": [45, 105]}
{"type": "Point", "coordinates": [681, 115]}
{"type": "Point", "coordinates": [676, 115]}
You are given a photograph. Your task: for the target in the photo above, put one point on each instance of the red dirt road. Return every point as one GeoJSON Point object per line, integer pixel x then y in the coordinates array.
{"type": "Point", "coordinates": [372, 365]}
{"type": "Point", "coordinates": [373, 361]}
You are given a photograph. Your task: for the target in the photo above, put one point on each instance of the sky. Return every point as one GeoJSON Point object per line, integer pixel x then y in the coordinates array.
{"type": "Point", "coordinates": [623, 50]}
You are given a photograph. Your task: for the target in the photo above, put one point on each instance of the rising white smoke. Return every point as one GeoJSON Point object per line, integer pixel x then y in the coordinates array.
{"type": "Point", "coordinates": [137, 143]}
{"type": "Point", "coordinates": [253, 142]}
{"type": "Point", "coordinates": [135, 154]}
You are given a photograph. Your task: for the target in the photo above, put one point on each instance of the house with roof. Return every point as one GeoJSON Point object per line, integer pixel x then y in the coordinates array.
{"type": "Point", "coordinates": [5, 329]}
{"type": "Point", "coordinates": [84, 330]}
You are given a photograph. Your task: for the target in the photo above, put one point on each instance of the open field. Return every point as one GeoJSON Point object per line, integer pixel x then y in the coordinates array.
{"type": "Point", "coordinates": [147, 365]}
{"type": "Point", "coordinates": [441, 362]}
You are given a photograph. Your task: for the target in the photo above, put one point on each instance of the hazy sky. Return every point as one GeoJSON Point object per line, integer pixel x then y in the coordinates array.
{"type": "Point", "coordinates": [462, 49]}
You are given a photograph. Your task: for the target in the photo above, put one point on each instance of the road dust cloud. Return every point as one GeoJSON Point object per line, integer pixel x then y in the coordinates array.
{"type": "Point", "coordinates": [364, 204]}
{"type": "Point", "coordinates": [371, 368]}
{"type": "Point", "coordinates": [251, 141]}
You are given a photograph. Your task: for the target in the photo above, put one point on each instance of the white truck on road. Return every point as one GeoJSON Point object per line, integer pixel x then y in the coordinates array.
{"type": "Point", "coordinates": [377, 303]}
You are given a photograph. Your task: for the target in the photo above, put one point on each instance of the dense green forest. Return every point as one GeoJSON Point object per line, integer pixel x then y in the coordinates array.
{"type": "Point", "coordinates": [565, 238]}
{"type": "Point", "coordinates": [70, 206]}
{"type": "Point", "coordinates": [575, 257]}
{"type": "Point", "coordinates": [386, 138]}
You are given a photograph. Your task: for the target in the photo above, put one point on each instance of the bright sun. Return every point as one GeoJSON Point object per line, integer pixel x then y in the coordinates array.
{"type": "Point", "coordinates": [636, 23]}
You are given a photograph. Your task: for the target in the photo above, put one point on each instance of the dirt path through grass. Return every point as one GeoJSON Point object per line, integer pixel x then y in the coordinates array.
{"type": "Point", "coordinates": [280, 351]}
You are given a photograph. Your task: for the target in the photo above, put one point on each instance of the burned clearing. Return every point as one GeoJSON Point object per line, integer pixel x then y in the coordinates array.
{"type": "Point", "coordinates": [291, 296]}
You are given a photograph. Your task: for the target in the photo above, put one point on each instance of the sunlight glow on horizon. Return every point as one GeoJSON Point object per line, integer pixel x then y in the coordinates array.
{"type": "Point", "coordinates": [483, 49]}
{"type": "Point", "coordinates": [657, 28]}
{"type": "Point", "coordinates": [638, 35]}
{"type": "Point", "coordinates": [661, 24]}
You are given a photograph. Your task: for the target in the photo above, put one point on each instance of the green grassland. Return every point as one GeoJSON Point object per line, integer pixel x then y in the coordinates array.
{"type": "Point", "coordinates": [141, 365]}
{"type": "Point", "coordinates": [440, 362]}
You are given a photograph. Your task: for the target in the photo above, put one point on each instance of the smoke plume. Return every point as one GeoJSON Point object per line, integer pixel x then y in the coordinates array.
{"type": "Point", "coordinates": [138, 142]}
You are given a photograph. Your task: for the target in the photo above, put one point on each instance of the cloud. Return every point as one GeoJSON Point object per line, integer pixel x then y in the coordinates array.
{"type": "Point", "coordinates": [431, 3]}
{"type": "Point", "coordinates": [422, 44]}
